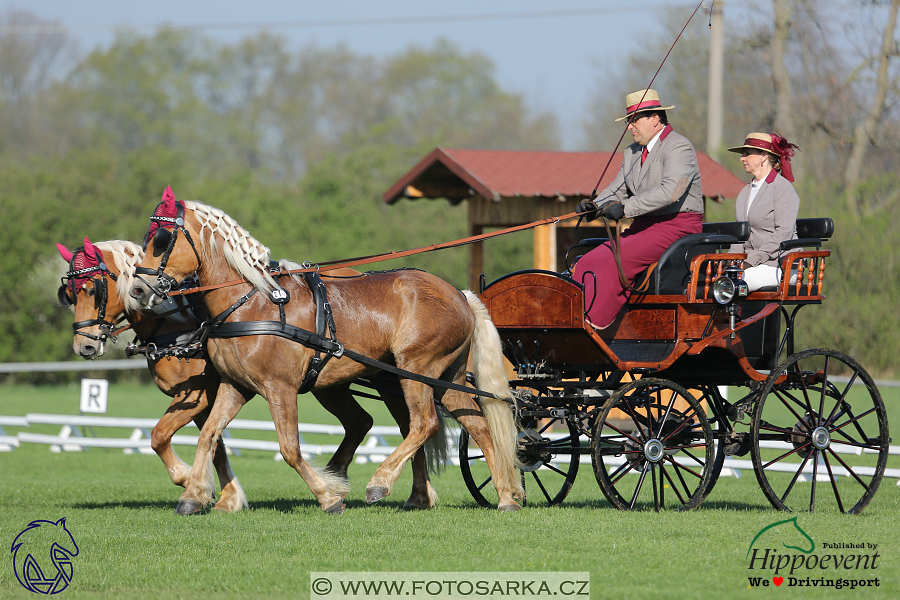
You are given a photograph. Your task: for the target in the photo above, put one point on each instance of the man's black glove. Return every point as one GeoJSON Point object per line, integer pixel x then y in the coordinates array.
{"type": "Point", "coordinates": [588, 209]}
{"type": "Point", "coordinates": [613, 211]}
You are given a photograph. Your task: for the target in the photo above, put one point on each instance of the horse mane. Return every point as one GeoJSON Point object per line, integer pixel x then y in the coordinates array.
{"type": "Point", "coordinates": [240, 249]}
{"type": "Point", "coordinates": [126, 256]}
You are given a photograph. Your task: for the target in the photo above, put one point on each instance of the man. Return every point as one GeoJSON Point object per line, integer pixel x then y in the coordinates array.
{"type": "Point", "coordinates": [659, 187]}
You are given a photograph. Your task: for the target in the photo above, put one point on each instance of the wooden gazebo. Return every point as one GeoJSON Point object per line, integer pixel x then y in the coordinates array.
{"type": "Point", "coordinates": [506, 188]}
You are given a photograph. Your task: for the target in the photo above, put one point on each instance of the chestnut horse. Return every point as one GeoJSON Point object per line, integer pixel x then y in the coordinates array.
{"type": "Point", "coordinates": [103, 297]}
{"type": "Point", "coordinates": [408, 318]}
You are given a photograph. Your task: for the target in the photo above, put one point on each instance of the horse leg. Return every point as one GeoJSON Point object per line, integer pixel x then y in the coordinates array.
{"type": "Point", "coordinates": [423, 494]}
{"type": "Point", "coordinates": [355, 420]}
{"type": "Point", "coordinates": [200, 490]}
{"type": "Point", "coordinates": [329, 489]}
{"type": "Point", "coordinates": [180, 412]}
{"type": "Point", "coordinates": [465, 410]}
{"type": "Point", "coordinates": [423, 423]}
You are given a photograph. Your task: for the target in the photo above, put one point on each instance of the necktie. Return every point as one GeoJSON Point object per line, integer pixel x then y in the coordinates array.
{"type": "Point", "coordinates": [644, 155]}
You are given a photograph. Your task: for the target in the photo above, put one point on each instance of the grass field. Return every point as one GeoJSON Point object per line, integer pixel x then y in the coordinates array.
{"type": "Point", "coordinates": [119, 509]}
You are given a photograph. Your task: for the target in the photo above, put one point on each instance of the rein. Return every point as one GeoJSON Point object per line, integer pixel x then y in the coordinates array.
{"type": "Point", "coordinates": [373, 258]}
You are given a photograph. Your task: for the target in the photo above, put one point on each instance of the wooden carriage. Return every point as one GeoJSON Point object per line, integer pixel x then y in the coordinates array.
{"type": "Point", "coordinates": [621, 394]}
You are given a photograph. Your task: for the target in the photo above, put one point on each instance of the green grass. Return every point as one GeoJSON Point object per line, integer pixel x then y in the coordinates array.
{"type": "Point", "coordinates": [120, 507]}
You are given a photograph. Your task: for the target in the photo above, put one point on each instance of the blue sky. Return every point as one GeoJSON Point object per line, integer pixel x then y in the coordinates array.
{"type": "Point", "coordinates": [551, 59]}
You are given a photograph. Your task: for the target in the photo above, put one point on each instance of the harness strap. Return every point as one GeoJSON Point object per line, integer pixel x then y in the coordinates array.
{"type": "Point", "coordinates": [324, 318]}
{"type": "Point", "coordinates": [336, 349]}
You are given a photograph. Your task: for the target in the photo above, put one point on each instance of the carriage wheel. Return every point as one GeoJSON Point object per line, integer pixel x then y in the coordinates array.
{"type": "Point", "coordinates": [806, 426]}
{"type": "Point", "coordinates": [652, 446]}
{"type": "Point", "coordinates": [550, 463]}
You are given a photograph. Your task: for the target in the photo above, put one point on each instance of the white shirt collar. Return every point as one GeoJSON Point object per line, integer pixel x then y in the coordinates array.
{"type": "Point", "coordinates": [655, 139]}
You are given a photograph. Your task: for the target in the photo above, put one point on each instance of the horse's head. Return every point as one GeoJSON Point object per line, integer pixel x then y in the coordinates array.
{"type": "Point", "coordinates": [170, 252]}
{"type": "Point", "coordinates": [96, 287]}
{"type": "Point", "coordinates": [189, 237]}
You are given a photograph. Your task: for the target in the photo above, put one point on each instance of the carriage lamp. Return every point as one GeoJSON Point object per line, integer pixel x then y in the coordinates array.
{"type": "Point", "coordinates": [729, 287]}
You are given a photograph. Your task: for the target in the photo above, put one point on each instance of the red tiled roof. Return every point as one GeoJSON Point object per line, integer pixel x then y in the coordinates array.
{"type": "Point", "coordinates": [450, 173]}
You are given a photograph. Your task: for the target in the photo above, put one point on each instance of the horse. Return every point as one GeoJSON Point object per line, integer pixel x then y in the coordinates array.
{"type": "Point", "coordinates": [105, 299]}
{"type": "Point", "coordinates": [417, 322]}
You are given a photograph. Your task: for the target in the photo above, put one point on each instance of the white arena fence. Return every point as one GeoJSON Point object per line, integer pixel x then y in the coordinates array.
{"type": "Point", "coordinates": [72, 438]}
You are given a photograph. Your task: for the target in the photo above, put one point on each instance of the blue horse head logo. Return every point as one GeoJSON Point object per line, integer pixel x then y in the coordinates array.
{"type": "Point", "coordinates": [36, 548]}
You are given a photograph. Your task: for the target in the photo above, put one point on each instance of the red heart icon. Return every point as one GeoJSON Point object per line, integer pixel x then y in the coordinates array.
{"type": "Point", "coordinates": [778, 580]}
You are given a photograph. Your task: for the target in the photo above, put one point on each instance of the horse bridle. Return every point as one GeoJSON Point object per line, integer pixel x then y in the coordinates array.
{"type": "Point", "coordinates": [101, 295]}
{"type": "Point", "coordinates": [163, 238]}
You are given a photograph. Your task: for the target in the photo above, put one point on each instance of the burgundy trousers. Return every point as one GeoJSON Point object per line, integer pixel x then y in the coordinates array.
{"type": "Point", "coordinates": [642, 244]}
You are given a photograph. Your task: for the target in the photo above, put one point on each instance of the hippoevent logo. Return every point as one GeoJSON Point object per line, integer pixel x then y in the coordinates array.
{"type": "Point", "coordinates": [42, 556]}
{"type": "Point", "coordinates": [784, 554]}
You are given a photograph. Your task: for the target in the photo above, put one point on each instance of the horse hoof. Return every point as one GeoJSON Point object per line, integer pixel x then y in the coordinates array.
{"type": "Point", "coordinates": [509, 507]}
{"type": "Point", "coordinates": [187, 507]}
{"type": "Point", "coordinates": [337, 508]}
{"type": "Point", "coordinates": [374, 494]}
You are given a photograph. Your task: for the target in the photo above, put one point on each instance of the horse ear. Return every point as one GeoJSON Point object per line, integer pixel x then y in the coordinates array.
{"type": "Point", "coordinates": [168, 198]}
{"type": "Point", "coordinates": [89, 249]}
{"type": "Point", "coordinates": [67, 256]}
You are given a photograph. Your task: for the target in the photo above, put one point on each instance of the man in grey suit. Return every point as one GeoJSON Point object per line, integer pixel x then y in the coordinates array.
{"type": "Point", "coordinates": [658, 186]}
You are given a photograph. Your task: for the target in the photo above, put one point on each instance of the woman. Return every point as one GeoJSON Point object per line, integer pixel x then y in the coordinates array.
{"type": "Point", "coordinates": [769, 203]}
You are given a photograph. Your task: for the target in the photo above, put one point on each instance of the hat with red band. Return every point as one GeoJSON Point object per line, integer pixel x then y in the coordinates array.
{"type": "Point", "coordinates": [642, 101]}
{"type": "Point", "coordinates": [773, 144]}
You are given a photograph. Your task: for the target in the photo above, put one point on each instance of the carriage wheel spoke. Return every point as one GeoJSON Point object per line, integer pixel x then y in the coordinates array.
{"type": "Point", "coordinates": [681, 467]}
{"type": "Point", "coordinates": [781, 396]}
{"type": "Point", "coordinates": [824, 389]}
{"type": "Point", "coordinates": [656, 493]}
{"type": "Point", "coordinates": [541, 485]}
{"type": "Point", "coordinates": [552, 468]}
{"type": "Point", "coordinates": [486, 481]}
{"type": "Point", "coordinates": [672, 483]}
{"type": "Point", "coordinates": [479, 457]}
{"type": "Point", "coordinates": [840, 401]}
{"type": "Point", "coordinates": [627, 466]}
{"type": "Point", "coordinates": [812, 487]}
{"type": "Point", "coordinates": [640, 484]}
{"type": "Point", "coordinates": [785, 455]}
{"type": "Point", "coordinates": [794, 478]}
{"type": "Point", "coordinates": [625, 433]}
{"type": "Point", "coordinates": [849, 470]}
{"type": "Point", "coordinates": [837, 495]}
{"type": "Point", "coordinates": [694, 458]}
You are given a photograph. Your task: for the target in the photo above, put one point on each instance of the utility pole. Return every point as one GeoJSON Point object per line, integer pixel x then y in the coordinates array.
{"type": "Point", "coordinates": [714, 103]}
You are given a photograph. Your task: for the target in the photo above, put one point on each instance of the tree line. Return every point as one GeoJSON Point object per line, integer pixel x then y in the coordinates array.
{"type": "Point", "coordinates": [298, 146]}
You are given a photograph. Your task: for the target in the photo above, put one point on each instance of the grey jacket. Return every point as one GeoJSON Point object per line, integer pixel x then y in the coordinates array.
{"type": "Point", "coordinates": [772, 217]}
{"type": "Point", "coordinates": [668, 183]}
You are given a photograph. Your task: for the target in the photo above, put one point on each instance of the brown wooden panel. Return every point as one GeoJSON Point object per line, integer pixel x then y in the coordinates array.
{"type": "Point", "coordinates": [534, 300]}
{"type": "Point", "coordinates": [533, 306]}
{"type": "Point", "coordinates": [642, 323]}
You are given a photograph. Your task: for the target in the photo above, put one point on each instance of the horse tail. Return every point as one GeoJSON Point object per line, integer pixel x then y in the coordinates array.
{"type": "Point", "coordinates": [436, 446]}
{"type": "Point", "coordinates": [490, 376]}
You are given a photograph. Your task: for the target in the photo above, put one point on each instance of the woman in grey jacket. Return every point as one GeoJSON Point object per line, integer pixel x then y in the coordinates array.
{"type": "Point", "coordinates": [769, 203]}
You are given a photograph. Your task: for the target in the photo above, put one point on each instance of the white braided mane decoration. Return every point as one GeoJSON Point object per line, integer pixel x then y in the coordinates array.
{"type": "Point", "coordinates": [126, 256]}
{"type": "Point", "coordinates": [240, 249]}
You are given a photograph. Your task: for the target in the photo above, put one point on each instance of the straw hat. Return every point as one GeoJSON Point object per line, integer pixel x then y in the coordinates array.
{"type": "Point", "coordinates": [642, 101]}
{"type": "Point", "coordinates": [758, 141]}
{"type": "Point", "coordinates": [775, 145]}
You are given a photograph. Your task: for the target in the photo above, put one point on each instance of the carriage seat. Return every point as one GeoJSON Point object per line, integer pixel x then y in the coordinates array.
{"type": "Point", "coordinates": [810, 234]}
{"type": "Point", "coordinates": [671, 273]}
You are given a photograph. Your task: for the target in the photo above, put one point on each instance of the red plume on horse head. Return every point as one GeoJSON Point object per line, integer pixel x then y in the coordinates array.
{"type": "Point", "coordinates": [166, 208]}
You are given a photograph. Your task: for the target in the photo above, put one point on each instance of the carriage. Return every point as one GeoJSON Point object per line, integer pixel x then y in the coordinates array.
{"type": "Point", "coordinates": [645, 398]}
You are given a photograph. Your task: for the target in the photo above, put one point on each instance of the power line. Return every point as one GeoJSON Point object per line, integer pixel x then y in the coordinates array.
{"type": "Point", "coordinates": [546, 14]}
